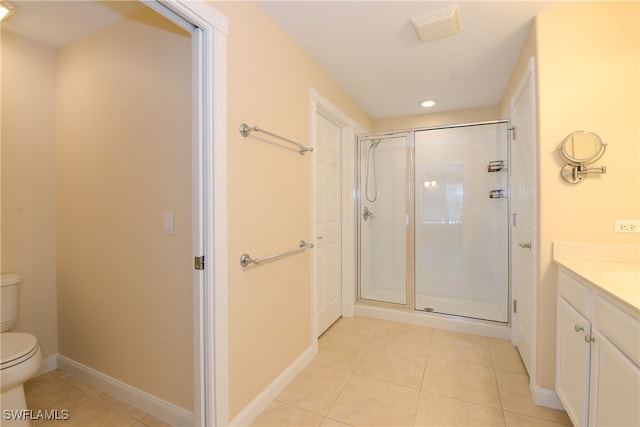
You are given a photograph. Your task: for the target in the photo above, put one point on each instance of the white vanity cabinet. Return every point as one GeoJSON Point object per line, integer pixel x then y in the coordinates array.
{"type": "Point", "coordinates": [573, 352]}
{"type": "Point", "coordinates": [597, 356]}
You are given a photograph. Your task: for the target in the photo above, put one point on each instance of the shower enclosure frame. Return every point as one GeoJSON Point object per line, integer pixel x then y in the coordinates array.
{"type": "Point", "coordinates": [410, 289]}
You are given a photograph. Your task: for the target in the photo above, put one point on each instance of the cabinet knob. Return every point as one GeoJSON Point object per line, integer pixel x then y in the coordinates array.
{"type": "Point", "coordinates": [589, 339]}
{"type": "Point", "coordinates": [578, 328]}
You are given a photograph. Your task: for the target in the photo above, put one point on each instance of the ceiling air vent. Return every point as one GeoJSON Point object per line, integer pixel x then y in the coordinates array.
{"type": "Point", "coordinates": [443, 23]}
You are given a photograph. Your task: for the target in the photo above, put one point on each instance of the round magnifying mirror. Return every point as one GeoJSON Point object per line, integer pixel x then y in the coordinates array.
{"type": "Point", "coordinates": [581, 148]}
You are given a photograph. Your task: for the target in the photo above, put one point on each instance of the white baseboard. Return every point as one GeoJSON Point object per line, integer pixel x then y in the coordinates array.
{"type": "Point", "coordinates": [267, 396]}
{"type": "Point", "coordinates": [159, 408]}
{"type": "Point", "coordinates": [546, 398]}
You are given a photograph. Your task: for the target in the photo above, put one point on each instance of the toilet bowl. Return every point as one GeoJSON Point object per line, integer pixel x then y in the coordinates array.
{"type": "Point", "coordinates": [20, 359]}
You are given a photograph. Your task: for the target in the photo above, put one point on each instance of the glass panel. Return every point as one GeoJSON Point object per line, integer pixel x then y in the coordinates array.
{"type": "Point", "coordinates": [383, 219]}
{"type": "Point", "coordinates": [461, 221]}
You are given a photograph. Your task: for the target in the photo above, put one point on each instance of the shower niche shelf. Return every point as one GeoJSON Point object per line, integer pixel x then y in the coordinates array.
{"type": "Point", "coordinates": [497, 194]}
{"type": "Point", "coordinates": [496, 166]}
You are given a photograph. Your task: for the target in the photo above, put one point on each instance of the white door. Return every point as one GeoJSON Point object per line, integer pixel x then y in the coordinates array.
{"type": "Point", "coordinates": [615, 385]}
{"type": "Point", "coordinates": [523, 195]}
{"type": "Point", "coordinates": [328, 225]}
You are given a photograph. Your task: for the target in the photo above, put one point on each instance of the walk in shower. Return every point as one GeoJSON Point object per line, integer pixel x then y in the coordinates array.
{"type": "Point", "coordinates": [433, 220]}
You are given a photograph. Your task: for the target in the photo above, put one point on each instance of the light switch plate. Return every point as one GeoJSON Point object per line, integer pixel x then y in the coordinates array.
{"type": "Point", "coordinates": [167, 223]}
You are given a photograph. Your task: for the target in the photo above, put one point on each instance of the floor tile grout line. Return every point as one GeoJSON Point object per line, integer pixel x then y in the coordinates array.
{"type": "Point", "coordinates": [362, 374]}
{"type": "Point", "coordinates": [495, 379]}
{"type": "Point", "coordinates": [341, 389]}
{"type": "Point", "coordinates": [294, 406]}
{"type": "Point", "coordinates": [77, 404]}
{"type": "Point", "coordinates": [424, 374]}
{"type": "Point", "coordinates": [537, 418]}
{"type": "Point", "coordinates": [430, 355]}
{"type": "Point", "coordinates": [345, 385]}
{"type": "Point", "coordinates": [59, 380]}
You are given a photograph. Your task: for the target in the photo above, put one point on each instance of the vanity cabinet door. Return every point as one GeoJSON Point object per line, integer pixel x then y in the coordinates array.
{"type": "Point", "coordinates": [615, 385]}
{"type": "Point", "coordinates": [572, 363]}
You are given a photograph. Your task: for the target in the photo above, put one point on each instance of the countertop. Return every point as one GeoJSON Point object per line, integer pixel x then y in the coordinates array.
{"type": "Point", "coordinates": [621, 280]}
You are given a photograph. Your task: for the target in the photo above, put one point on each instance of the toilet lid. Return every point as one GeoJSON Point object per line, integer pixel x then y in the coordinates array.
{"type": "Point", "coordinates": [15, 347]}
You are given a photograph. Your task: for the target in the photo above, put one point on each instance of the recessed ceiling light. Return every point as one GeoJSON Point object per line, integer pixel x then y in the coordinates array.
{"type": "Point", "coordinates": [429, 103]}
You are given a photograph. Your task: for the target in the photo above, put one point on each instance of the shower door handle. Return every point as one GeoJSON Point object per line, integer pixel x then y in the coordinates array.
{"type": "Point", "coordinates": [525, 245]}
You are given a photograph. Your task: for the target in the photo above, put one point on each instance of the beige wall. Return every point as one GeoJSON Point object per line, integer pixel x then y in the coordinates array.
{"type": "Point", "coordinates": [29, 184]}
{"type": "Point", "coordinates": [269, 77]}
{"type": "Point", "coordinates": [588, 78]}
{"type": "Point", "coordinates": [102, 176]}
{"type": "Point", "coordinates": [588, 72]}
{"type": "Point", "coordinates": [471, 115]}
{"type": "Point", "coordinates": [124, 159]}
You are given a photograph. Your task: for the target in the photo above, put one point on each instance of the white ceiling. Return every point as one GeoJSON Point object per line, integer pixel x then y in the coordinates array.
{"type": "Point", "coordinates": [369, 47]}
{"type": "Point", "coordinates": [371, 50]}
{"type": "Point", "coordinates": [58, 23]}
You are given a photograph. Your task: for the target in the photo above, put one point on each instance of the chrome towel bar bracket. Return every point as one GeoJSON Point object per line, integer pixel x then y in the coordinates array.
{"type": "Point", "coordinates": [245, 259]}
{"type": "Point", "coordinates": [245, 130]}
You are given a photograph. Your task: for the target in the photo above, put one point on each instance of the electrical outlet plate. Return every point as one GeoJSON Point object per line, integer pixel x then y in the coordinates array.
{"type": "Point", "coordinates": [627, 226]}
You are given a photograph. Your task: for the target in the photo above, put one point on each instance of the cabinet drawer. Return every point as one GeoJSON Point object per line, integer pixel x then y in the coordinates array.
{"type": "Point", "coordinates": [576, 294]}
{"type": "Point", "coordinates": [622, 329]}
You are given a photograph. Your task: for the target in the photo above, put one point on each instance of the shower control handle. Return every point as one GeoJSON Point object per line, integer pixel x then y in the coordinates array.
{"type": "Point", "coordinates": [366, 214]}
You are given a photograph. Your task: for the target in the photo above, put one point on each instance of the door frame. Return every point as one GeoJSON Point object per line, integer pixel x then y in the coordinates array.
{"type": "Point", "coordinates": [320, 105]}
{"type": "Point", "coordinates": [209, 32]}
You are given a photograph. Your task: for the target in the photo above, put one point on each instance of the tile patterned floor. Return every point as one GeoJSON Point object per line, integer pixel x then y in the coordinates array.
{"type": "Point", "coordinates": [87, 406]}
{"type": "Point", "coordinates": [367, 372]}
{"type": "Point", "coordinates": [371, 372]}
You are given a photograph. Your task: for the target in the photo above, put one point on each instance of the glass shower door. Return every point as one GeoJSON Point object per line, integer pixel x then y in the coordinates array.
{"type": "Point", "coordinates": [461, 221]}
{"type": "Point", "coordinates": [383, 219]}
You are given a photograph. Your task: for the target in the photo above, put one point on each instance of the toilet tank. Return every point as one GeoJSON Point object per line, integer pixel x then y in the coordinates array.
{"type": "Point", "coordinates": [9, 300]}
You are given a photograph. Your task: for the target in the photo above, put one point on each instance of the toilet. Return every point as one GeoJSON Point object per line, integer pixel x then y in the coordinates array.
{"type": "Point", "coordinates": [20, 356]}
